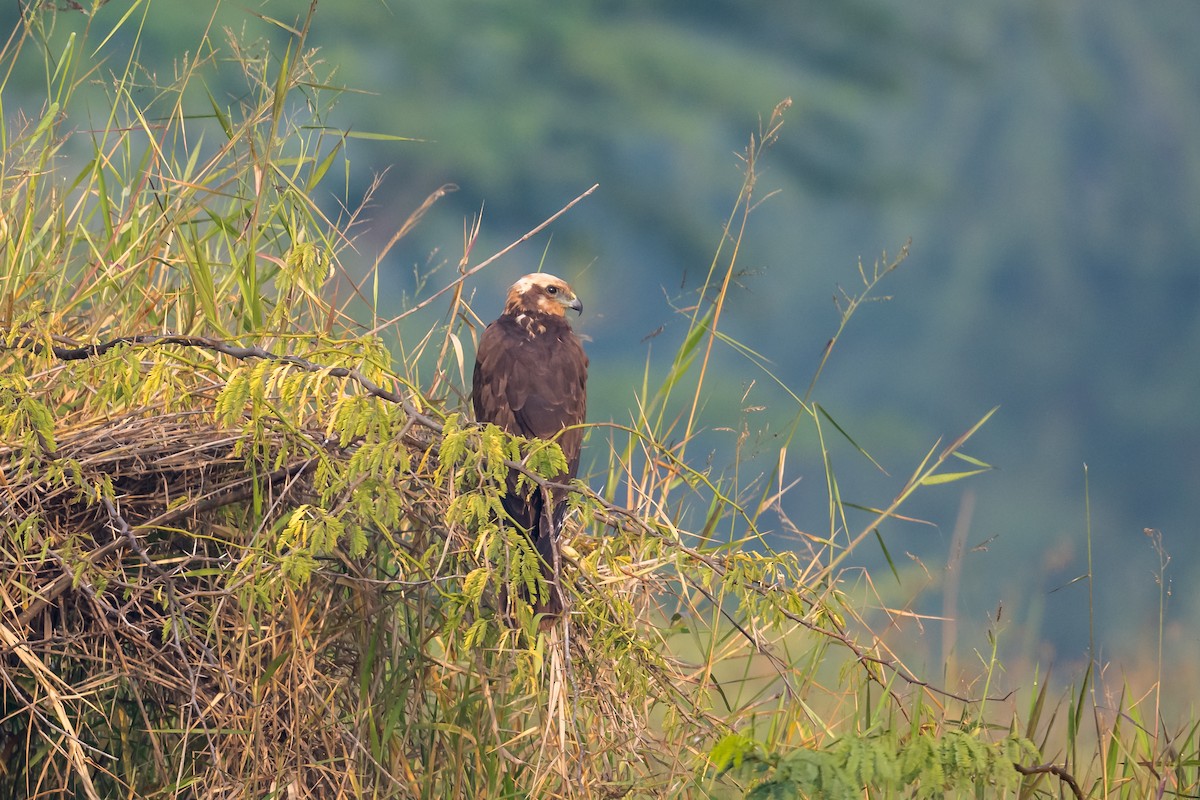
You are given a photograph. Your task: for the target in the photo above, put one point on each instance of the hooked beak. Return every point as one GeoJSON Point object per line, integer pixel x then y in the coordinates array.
{"type": "Point", "coordinates": [576, 304]}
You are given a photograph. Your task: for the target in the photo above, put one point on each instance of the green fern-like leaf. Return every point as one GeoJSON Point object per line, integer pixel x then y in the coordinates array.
{"type": "Point", "coordinates": [547, 460]}
{"type": "Point", "coordinates": [40, 420]}
{"type": "Point", "coordinates": [475, 633]}
{"type": "Point", "coordinates": [494, 447]}
{"type": "Point", "coordinates": [357, 540]}
{"type": "Point", "coordinates": [231, 402]}
{"type": "Point", "coordinates": [298, 566]}
{"type": "Point", "coordinates": [307, 266]}
{"type": "Point", "coordinates": [475, 583]}
{"type": "Point", "coordinates": [732, 751]}
{"type": "Point", "coordinates": [348, 419]}
{"type": "Point", "coordinates": [776, 790]}
{"type": "Point", "coordinates": [327, 531]}
{"type": "Point", "coordinates": [295, 531]}
{"type": "Point", "coordinates": [453, 448]}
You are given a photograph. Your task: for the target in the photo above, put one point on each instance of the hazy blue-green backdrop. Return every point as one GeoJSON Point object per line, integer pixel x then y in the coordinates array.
{"type": "Point", "coordinates": [1043, 156]}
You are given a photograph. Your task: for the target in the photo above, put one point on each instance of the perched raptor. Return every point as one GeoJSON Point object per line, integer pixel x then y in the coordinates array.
{"type": "Point", "coordinates": [531, 380]}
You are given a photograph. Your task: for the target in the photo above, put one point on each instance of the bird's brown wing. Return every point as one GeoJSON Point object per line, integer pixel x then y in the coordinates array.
{"type": "Point", "coordinates": [533, 387]}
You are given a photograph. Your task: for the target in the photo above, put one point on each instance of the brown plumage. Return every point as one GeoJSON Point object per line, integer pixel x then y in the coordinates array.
{"type": "Point", "coordinates": [531, 380]}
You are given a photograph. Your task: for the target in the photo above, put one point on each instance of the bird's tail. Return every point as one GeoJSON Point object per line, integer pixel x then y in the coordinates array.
{"type": "Point", "coordinates": [543, 529]}
{"type": "Point", "coordinates": [549, 603]}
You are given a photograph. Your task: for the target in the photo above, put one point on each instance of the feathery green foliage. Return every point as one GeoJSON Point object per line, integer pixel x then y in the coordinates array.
{"type": "Point", "coordinates": [924, 765]}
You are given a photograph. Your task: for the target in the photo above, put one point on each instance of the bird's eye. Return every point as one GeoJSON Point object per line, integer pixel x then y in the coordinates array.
{"type": "Point", "coordinates": [552, 290]}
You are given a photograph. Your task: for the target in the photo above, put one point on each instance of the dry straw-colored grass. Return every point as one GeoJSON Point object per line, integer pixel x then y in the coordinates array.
{"type": "Point", "coordinates": [139, 571]}
{"type": "Point", "coordinates": [177, 631]}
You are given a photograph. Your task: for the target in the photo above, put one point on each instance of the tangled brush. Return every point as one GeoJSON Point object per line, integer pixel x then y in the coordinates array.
{"type": "Point", "coordinates": [156, 556]}
{"type": "Point", "coordinates": [230, 573]}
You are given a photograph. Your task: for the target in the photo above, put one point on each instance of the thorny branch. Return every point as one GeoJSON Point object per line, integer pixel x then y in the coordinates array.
{"type": "Point", "coordinates": [245, 354]}
{"type": "Point", "coordinates": [1054, 770]}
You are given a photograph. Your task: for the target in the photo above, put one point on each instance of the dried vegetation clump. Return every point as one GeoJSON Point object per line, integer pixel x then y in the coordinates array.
{"type": "Point", "coordinates": [170, 569]}
{"type": "Point", "coordinates": [229, 572]}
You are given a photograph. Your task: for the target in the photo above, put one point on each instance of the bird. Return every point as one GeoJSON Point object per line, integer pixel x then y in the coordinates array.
{"type": "Point", "coordinates": [530, 380]}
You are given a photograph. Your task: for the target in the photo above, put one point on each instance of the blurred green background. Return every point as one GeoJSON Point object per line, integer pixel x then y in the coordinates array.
{"type": "Point", "coordinates": [1043, 156]}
